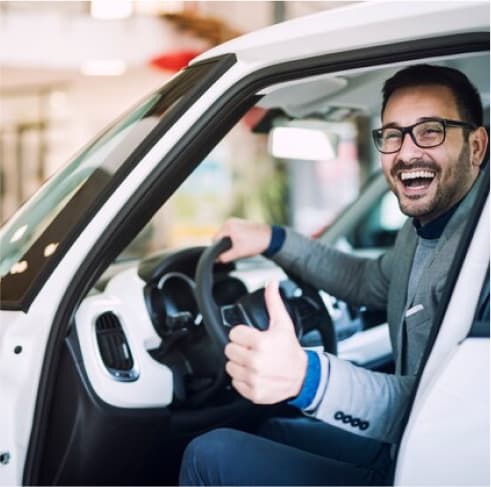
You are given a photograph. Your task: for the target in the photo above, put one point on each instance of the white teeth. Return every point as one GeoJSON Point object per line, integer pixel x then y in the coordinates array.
{"type": "Point", "coordinates": [416, 174]}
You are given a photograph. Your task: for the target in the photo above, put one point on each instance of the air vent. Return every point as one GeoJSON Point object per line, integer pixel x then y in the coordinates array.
{"type": "Point", "coordinates": [114, 349]}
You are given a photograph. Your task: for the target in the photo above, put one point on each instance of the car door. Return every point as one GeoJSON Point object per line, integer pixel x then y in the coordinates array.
{"type": "Point", "coordinates": [446, 440]}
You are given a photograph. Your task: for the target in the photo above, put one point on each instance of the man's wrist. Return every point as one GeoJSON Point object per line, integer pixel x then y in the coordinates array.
{"type": "Point", "coordinates": [278, 236]}
{"type": "Point", "coordinates": [310, 382]}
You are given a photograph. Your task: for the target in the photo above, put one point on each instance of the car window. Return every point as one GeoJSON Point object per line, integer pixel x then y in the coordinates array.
{"type": "Point", "coordinates": [378, 228]}
{"type": "Point", "coordinates": [240, 177]}
{"type": "Point", "coordinates": [35, 238]}
{"type": "Point", "coordinates": [40, 211]}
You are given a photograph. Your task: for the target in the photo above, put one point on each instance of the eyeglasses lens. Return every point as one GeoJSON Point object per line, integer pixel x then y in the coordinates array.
{"type": "Point", "coordinates": [425, 134]}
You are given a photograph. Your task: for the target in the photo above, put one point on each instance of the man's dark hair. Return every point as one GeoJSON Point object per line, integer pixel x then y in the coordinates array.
{"type": "Point", "coordinates": [465, 93]}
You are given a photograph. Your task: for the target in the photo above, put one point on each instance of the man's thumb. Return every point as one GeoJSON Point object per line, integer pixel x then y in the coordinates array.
{"type": "Point", "coordinates": [278, 315]}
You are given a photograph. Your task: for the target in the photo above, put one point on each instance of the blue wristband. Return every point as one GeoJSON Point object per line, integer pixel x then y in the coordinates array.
{"type": "Point", "coordinates": [278, 236]}
{"type": "Point", "coordinates": [310, 383]}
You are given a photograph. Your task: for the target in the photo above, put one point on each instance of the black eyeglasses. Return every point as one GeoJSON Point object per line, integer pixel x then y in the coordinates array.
{"type": "Point", "coordinates": [428, 133]}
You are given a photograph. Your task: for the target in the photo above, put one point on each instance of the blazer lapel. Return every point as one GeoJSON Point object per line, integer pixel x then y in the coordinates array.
{"type": "Point", "coordinates": [398, 288]}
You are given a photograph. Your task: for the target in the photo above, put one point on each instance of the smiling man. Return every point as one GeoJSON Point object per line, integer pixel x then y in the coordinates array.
{"type": "Point", "coordinates": [428, 182]}
{"type": "Point", "coordinates": [432, 145]}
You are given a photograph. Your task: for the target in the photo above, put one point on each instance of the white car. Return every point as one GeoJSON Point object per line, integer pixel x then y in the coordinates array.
{"type": "Point", "coordinates": [107, 368]}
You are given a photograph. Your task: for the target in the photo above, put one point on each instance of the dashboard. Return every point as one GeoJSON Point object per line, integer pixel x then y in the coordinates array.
{"type": "Point", "coordinates": [142, 338]}
{"type": "Point", "coordinates": [144, 344]}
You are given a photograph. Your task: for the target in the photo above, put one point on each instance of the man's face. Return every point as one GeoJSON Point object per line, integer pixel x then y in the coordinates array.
{"type": "Point", "coordinates": [427, 181]}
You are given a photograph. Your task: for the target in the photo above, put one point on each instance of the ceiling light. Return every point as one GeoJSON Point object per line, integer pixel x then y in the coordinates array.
{"type": "Point", "coordinates": [111, 9]}
{"type": "Point", "coordinates": [157, 7]}
{"type": "Point", "coordinates": [19, 267]}
{"type": "Point", "coordinates": [50, 249]}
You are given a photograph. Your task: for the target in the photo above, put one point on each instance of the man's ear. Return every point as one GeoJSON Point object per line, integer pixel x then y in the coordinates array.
{"type": "Point", "coordinates": [478, 143]}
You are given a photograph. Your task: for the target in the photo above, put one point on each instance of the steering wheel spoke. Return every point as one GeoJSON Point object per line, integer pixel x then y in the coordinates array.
{"type": "Point", "coordinates": [232, 315]}
{"type": "Point", "coordinates": [302, 301]}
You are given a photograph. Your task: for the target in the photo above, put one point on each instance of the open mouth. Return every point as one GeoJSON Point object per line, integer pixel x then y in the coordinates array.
{"type": "Point", "coordinates": [416, 179]}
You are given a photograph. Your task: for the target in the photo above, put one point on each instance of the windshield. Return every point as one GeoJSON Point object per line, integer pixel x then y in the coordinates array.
{"type": "Point", "coordinates": [42, 230]}
{"type": "Point", "coordinates": [35, 216]}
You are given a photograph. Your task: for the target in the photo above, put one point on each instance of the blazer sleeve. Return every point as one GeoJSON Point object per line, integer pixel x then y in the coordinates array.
{"type": "Point", "coordinates": [361, 401]}
{"type": "Point", "coordinates": [357, 280]}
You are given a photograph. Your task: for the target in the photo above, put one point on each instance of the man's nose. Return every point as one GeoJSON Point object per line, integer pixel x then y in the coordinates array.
{"type": "Point", "coordinates": [409, 150]}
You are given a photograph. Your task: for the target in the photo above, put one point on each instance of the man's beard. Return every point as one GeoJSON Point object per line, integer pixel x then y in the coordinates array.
{"type": "Point", "coordinates": [445, 196]}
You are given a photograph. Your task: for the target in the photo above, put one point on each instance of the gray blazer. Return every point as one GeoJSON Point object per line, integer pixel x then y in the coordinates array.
{"type": "Point", "coordinates": [358, 400]}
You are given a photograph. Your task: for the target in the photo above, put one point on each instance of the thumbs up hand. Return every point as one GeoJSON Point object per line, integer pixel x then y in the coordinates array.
{"type": "Point", "coordinates": [268, 366]}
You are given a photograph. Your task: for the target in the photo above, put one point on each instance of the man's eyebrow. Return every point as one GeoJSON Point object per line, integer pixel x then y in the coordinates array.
{"type": "Point", "coordinates": [419, 120]}
{"type": "Point", "coordinates": [391, 125]}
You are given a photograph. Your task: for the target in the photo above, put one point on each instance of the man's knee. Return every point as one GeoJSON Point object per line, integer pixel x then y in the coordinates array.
{"type": "Point", "coordinates": [285, 430]}
{"type": "Point", "coordinates": [204, 456]}
{"type": "Point", "coordinates": [273, 429]}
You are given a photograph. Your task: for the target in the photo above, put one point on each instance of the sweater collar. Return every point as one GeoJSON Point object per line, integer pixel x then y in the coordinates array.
{"type": "Point", "coordinates": [433, 230]}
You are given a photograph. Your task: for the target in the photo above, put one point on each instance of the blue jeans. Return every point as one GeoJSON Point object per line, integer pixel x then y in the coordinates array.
{"type": "Point", "coordinates": [286, 451]}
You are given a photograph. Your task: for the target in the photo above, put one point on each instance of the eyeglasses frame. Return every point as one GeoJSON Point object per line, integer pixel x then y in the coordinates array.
{"type": "Point", "coordinates": [409, 130]}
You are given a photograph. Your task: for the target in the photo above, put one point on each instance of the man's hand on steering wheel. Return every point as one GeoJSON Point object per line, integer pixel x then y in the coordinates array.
{"type": "Point", "coordinates": [248, 238]}
{"type": "Point", "coordinates": [267, 366]}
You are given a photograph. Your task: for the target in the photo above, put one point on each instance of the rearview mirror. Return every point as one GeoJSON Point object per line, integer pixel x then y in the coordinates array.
{"type": "Point", "coordinates": [303, 139]}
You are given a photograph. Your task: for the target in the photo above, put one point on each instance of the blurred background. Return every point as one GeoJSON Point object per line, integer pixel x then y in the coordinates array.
{"type": "Point", "coordinates": [69, 68]}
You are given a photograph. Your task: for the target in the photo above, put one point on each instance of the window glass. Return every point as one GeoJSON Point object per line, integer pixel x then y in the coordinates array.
{"type": "Point", "coordinates": [377, 229]}
{"type": "Point", "coordinates": [391, 217]}
{"type": "Point", "coordinates": [42, 229]}
{"type": "Point", "coordinates": [240, 177]}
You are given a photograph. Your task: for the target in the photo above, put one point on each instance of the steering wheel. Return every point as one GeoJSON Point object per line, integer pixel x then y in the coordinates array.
{"type": "Point", "coordinates": [302, 301]}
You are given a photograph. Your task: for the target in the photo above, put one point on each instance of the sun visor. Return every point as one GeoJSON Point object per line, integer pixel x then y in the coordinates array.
{"type": "Point", "coordinates": [297, 98]}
